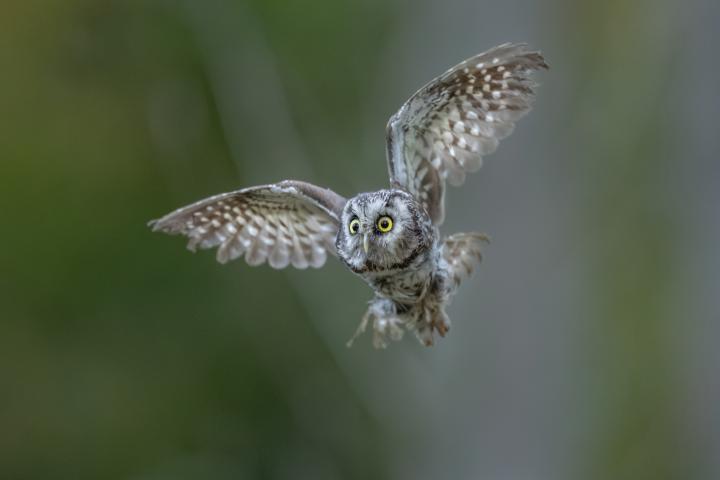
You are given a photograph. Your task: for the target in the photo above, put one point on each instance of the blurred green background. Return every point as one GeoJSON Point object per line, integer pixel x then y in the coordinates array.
{"type": "Point", "coordinates": [583, 349]}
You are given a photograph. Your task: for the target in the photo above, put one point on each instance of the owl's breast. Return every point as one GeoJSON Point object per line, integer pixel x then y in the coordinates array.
{"type": "Point", "coordinates": [407, 286]}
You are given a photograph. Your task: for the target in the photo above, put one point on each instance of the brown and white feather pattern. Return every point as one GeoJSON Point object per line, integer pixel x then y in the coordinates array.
{"type": "Point", "coordinates": [461, 253]}
{"type": "Point", "coordinates": [388, 237]}
{"type": "Point", "coordinates": [286, 223]}
{"type": "Point", "coordinates": [443, 131]}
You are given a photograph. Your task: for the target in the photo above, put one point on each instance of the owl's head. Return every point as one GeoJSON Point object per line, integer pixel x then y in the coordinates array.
{"type": "Point", "coordinates": [382, 230]}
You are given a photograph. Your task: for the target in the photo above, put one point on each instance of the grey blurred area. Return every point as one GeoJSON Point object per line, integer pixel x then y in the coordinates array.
{"type": "Point", "coordinates": [584, 347]}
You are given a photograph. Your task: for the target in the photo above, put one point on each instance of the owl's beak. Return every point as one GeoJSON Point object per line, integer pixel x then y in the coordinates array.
{"type": "Point", "coordinates": [365, 243]}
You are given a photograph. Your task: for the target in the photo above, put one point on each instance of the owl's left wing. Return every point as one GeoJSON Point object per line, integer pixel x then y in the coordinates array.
{"type": "Point", "coordinates": [461, 253]}
{"type": "Point", "coordinates": [290, 222]}
{"type": "Point", "coordinates": [443, 130]}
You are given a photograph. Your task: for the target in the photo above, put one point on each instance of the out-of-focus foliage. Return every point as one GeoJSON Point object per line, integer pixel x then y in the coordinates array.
{"type": "Point", "coordinates": [581, 350]}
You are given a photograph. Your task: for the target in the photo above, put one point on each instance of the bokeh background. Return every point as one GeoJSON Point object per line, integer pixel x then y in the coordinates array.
{"type": "Point", "coordinates": [584, 348]}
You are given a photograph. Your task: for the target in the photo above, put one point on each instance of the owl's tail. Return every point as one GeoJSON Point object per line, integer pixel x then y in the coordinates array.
{"type": "Point", "coordinates": [461, 253]}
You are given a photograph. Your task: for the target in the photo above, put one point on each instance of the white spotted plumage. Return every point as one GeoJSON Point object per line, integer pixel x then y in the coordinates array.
{"type": "Point", "coordinates": [456, 119]}
{"type": "Point", "coordinates": [286, 223]}
{"type": "Point", "coordinates": [389, 237]}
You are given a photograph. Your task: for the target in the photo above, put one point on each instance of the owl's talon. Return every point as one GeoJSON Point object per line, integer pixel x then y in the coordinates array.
{"type": "Point", "coordinates": [360, 329]}
{"type": "Point", "coordinates": [441, 327]}
{"type": "Point", "coordinates": [440, 322]}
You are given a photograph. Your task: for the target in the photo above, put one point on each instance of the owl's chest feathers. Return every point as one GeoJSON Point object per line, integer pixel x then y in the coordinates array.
{"type": "Point", "coordinates": [405, 286]}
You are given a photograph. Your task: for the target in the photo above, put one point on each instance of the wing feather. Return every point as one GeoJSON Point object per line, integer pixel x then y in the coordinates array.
{"type": "Point", "coordinates": [461, 253]}
{"type": "Point", "coordinates": [443, 131]}
{"type": "Point", "coordinates": [286, 223]}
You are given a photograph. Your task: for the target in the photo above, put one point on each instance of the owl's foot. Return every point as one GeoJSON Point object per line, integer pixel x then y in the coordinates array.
{"type": "Point", "coordinates": [387, 324]}
{"type": "Point", "coordinates": [387, 328]}
{"type": "Point", "coordinates": [432, 320]}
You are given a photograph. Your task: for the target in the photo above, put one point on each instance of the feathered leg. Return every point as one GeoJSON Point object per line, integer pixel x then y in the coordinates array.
{"type": "Point", "coordinates": [433, 319]}
{"type": "Point", "coordinates": [460, 254]}
{"type": "Point", "coordinates": [386, 322]}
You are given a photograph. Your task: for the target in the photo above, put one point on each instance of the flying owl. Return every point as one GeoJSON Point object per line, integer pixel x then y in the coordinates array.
{"type": "Point", "coordinates": [390, 237]}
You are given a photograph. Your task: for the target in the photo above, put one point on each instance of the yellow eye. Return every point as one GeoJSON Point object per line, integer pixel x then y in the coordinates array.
{"type": "Point", "coordinates": [384, 224]}
{"type": "Point", "coordinates": [354, 226]}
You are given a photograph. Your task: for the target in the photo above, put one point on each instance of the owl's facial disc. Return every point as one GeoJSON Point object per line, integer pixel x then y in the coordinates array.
{"type": "Point", "coordinates": [378, 231]}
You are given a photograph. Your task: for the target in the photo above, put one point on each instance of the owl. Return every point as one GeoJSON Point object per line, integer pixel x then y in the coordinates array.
{"type": "Point", "coordinates": [390, 238]}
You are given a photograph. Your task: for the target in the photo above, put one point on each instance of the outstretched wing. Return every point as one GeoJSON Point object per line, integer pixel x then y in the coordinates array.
{"type": "Point", "coordinates": [443, 130]}
{"type": "Point", "coordinates": [461, 253]}
{"type": "Point", "coordinates": [290, 222]}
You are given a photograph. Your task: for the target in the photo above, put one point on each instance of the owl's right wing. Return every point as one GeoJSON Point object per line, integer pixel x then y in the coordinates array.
{"type": "Point", "coordinates": [290, 222]}
{"type": "Point", "coordinates": [443, 130]}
